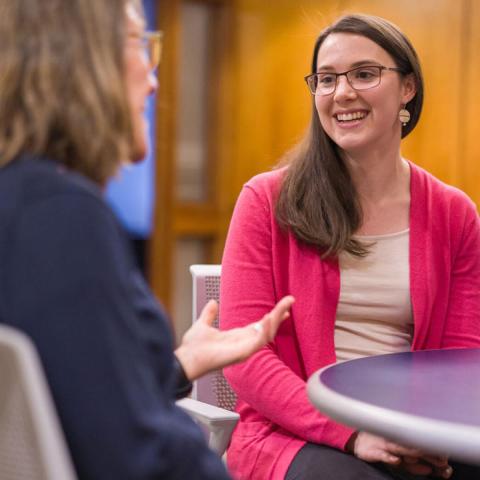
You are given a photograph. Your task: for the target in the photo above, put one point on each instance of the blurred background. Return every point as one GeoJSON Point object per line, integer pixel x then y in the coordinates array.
{"type": "Point", "coordinates": [232, 100]}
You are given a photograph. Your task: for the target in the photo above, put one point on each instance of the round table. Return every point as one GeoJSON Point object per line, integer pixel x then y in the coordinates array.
{"type": "Point", "coordinates": [426, 399]}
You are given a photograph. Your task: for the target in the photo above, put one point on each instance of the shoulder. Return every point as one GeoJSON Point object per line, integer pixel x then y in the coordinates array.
{"type": "Point", "coordinates": [254, 212]}
{"type": "Point", "coordinates": [264, 187]}
{"type": "Point", "coordinates": [437, 195]}
{"type": "Point", "coordinates": [443, 210]}
{"type": "Point", "coordinates": [267, 181]}
{"type": "Point", "coordinates": [45, 208]}
{"type": "Point", "coordinates": [41, 184]}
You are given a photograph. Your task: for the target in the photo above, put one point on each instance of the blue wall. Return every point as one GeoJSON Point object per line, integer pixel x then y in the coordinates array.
{"type": "Point", "coordinates": [132, 193]}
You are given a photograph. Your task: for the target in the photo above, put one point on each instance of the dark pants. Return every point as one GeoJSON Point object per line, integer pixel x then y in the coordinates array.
{"type": "Point", "coordinates": [318, 462]}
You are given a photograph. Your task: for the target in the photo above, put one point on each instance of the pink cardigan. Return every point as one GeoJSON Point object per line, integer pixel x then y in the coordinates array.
{"type": "Point", "coordinates": [262, 263]}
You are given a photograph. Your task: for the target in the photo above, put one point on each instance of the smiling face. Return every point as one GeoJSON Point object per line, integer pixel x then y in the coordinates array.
{"type": "Point", "coordinates": [140, 80]}
{"type": "Point", "coordinates": [361, 120]}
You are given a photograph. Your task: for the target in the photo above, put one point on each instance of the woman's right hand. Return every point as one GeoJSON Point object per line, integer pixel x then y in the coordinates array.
{"type": "Point", "coordinates": [372, 448]}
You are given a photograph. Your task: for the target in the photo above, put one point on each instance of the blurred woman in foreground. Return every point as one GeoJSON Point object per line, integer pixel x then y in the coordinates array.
{"type": "Point", "coordinates": [74, 79]}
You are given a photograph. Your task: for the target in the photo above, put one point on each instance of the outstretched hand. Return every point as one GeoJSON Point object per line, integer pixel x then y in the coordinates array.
{"type": "Point", "coordinates": [205, 348]}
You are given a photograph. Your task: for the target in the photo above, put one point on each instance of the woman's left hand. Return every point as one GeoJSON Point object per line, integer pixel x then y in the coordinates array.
{"type": "Point", "coordinates": [373, 448]}
{"type": "Point", "coordinates": [205, 348]}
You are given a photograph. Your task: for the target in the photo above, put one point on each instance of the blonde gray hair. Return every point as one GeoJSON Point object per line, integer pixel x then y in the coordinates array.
{"type": "Point", "coordinates": [62, 90]}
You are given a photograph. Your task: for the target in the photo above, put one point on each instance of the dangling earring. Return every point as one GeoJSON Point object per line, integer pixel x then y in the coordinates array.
{"type": "Point", "coordinates": [404, 116]}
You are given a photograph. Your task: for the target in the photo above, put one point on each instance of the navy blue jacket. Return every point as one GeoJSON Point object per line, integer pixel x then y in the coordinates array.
{"type": "Point", "coordinates": [69, 281]}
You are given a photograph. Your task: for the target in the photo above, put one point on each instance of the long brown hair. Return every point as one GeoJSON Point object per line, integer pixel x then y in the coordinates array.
{"type": "Point", "coordinates": [62, 91]}
{"type": "Point", "coordinates": [318, 201]}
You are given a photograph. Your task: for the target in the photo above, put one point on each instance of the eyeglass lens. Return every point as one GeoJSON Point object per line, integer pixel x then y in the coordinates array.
{"type": "Point", "coordinates": [153, 45]}
{"type": "Point", "coordinates": [361, 78]}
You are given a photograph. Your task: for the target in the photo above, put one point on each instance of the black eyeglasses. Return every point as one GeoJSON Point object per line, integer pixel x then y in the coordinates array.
{"type": "Point", "coordinates": [359, 78]}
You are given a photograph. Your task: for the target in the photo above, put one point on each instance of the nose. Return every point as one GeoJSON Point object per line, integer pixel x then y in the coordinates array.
{"type": "Point", "coordinates": [344, 90]}
{"type": "Point", "coordinates": [152, 82]}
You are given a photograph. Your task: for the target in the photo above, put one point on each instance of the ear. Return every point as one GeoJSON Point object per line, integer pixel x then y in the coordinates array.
{"type": "Point", "coordinates": [409, 88]}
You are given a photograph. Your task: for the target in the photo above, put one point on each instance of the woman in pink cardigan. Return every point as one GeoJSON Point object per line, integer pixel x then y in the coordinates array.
{"type": "Point", "coordinates": [380, 256]}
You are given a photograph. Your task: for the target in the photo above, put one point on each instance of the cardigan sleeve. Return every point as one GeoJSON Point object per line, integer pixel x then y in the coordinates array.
{"type": "Point", "coordinates": [462, 327]}
{"type": "Point", "coordinates": [271, 385]}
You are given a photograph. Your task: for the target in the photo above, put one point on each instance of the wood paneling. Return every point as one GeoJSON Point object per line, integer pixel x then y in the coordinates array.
{"type": "Point", "coordinates": [162, 241]}
{"type": "Point", "coordinates": [260, 106]}
{"type": "Point", "coordinates": [435, 29]}
{"type": "Point", "coordinates": [274, 43]}
{"type": "Point", "coordinates": [275, 48]}
{"type": "Point", "coordinates": [176, 220]}
{"type": "Point", "coordinates": [469, 124]}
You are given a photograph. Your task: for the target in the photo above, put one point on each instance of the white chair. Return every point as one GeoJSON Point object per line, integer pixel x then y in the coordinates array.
{"type": "Point", "coordinates": [213, 401]}
{"type": "Point", "coordinates": [32, 446]}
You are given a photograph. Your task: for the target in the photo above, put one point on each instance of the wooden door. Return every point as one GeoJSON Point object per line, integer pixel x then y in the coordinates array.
{"type": "Point", "coordinates": [192, 176]}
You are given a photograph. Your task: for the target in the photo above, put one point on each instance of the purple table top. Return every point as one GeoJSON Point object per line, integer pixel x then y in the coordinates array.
{"type": "Point", "coordinates": [429, 399]}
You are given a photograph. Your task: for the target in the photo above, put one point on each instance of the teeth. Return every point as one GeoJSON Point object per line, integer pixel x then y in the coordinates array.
{"type": "Point", "coordinates": [346, 117]}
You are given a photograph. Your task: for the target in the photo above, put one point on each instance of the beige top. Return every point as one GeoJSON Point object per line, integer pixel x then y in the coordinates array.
{"type": "Point", "coordinates": [374, 313]}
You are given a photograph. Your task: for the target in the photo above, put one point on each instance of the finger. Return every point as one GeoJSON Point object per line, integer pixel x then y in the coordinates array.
{"type": "Point", "coordinates": [386, 457]}
{"type": "Point", "coordinates": [209, 313]}
{"type": "Point", "coordinates": [402, 451]}
{"type": "Point", "coordinates": [443, 472]}
{"type": "Point", "coordinates": [269, 325]}
{"type": "Point", "coordinates": [282, 306]}
{"type": "Point", "coordinates": [438, 461]}
{"type": "Point", "coordinates": [418, 468]}
{"type": "Point", "coordinates": [276, 316]}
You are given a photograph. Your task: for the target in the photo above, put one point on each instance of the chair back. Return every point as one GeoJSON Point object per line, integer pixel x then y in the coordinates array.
{"type": "Point", "coordinates": [32, 446]}
{"type": "Point", "coordinates": [212, 388]}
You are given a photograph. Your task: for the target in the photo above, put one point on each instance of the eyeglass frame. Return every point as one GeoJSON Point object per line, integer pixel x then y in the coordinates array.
{"type": "Point", "coordinates": [146, 38]}
{"type": "Point", "coordinates": [381, 68]}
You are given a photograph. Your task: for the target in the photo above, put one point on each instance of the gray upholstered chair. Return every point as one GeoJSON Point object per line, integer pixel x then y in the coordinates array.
{"type": "Point", "coordinates": [32, 445]}
{"type": "Point", "coordinates": [213, 401]}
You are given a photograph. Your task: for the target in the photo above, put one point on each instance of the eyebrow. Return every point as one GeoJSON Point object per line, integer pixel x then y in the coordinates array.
{"type": "Point", "coordinates": [360, 63]}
